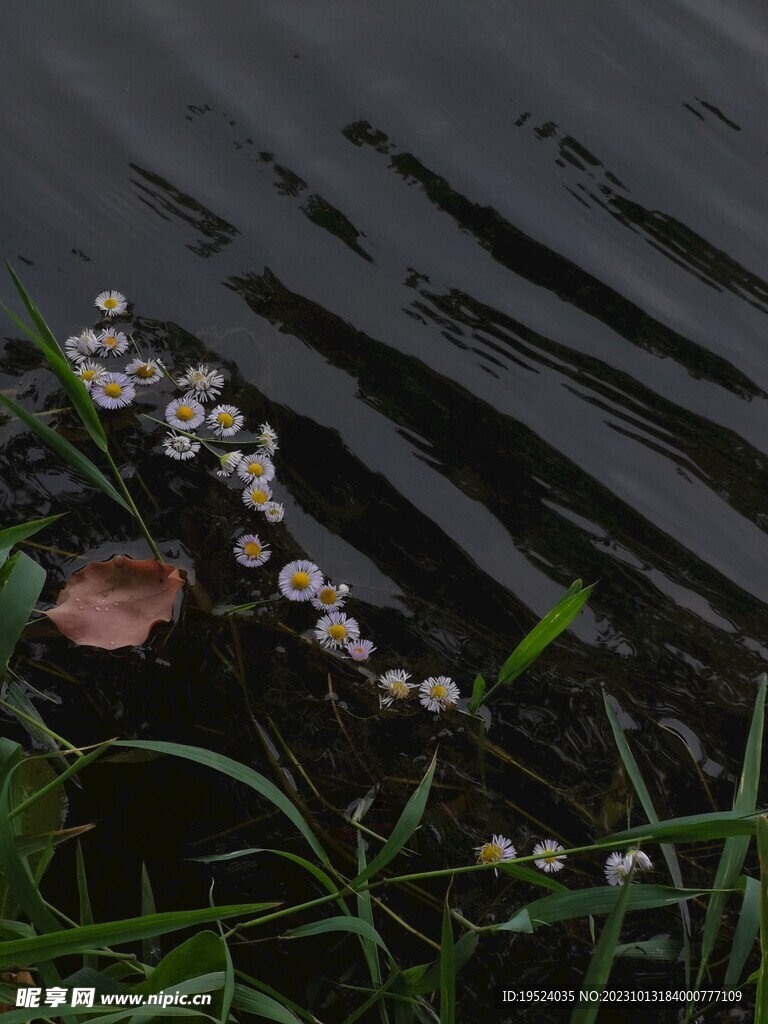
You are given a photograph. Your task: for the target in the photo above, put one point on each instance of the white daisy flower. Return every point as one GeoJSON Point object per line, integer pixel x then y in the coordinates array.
{"type": "Point", "coordinates": [80, 346]}
{"type": "Point", "coordinates": [185, 413]}
{"type": "Point", "coordinates": [228, 463]}
{"type": "Point", "coordinates": [335, 629]}
{"type": "Point", "coordinates": [250, 551]}
{"type": "Point", "coordinates": [90, 372]}
{"type": "Point", "coordinates": [225, 420]}
{"type": "Point", "coordinates": [327, 598]}
{"type": "Point", "coordinates": [360, 650]}
{"type": "Point", "coordinates": [616, 869]}
{"type": "Point", "coordinates": [641, 860]}
{"type": "Point", "coordinates": [257, 495]}
{"type": "Point", "coordinates": [112, 343]}
{"type": "Point", "coordinates": [394, 683]}
{"type": "Point", "coordinates": [438, 693]}
{"type": "Point", "coordinates": [267, 439]}
{"type": "Point", "coordinates": [113, 391]}
{"type": "Point", "coordinates": [144, 371]}
{"type": "Point", "coordinates": [299, 580]}
{"type": "Point", "coordinates": [111, 303]}
{"type": "Point", "coordinates": [203, 382]}
{"type": "Point", "coordinates": [496, 850]}
{"type": "Point", "coordinates": [273, 511]}
{"type": "Point", "coordinates": [179, 447]}
{"type": "Point", "coordinates": [550, 857]}
{"type": "Point", "coordinates": [256, 468]}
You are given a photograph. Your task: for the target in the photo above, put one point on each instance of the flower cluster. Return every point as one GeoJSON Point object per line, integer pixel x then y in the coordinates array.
{"type": "Point", "coordinates": [549, 857]}
{"type": "Point", "coordinates": [110, 388]}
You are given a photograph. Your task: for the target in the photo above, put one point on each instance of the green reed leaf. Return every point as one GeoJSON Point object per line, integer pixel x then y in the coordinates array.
{"type": "Point", "coordinates": [21, 580]}
{"type": "Point", "coordinates": [66, 451]}
{"type": "Point", "coordinates": [745, 935]}
{"type": "Point", "coordinates": [598, 900]}
{"type": "Point", "coordinates": [601, 961]}
{"type": "Point", "coordinates": [447, 970]}
{"type": "Point", "coordinates": [761, 998]}
{"type": "Point", "coordinates": [45, 341]}
{"type": "Point", "coordinates": [407, 823]}
{"type": "Point", "coordinates": [16, 534]}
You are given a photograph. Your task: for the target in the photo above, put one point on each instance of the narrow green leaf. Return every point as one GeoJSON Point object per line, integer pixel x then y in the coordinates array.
{"type": "Point", "coordinates": [262, 1006]}
{"type": "Point", "coordinates": [761, 997]}
{"type": "Point", "coordinates": [662, 949]}
{"type": "Point", "coordinates": [478, 692]}
{"type": "Point", "coordinates": [365, 913]}
{"type": "Point", "coordinates": [667, 849]}
{"type": "Point", "coordinates": [66, 451]}
{"type": "Point", "coordinates": [543, 633]}
{"type": "Point", "coordinates": [601, 961]}
{"type": "Point", "coordinates": [526, 874]}
{"type": "Point", "coordinates": [328, 884]}
{"type": "Point", "coordinates": [226, 766]}
{"type": "Point", "coordinates": [406, 825]}
{"type": "Point", "coordinates": [735, 849]}
{"type": "Point", "coordinates": [694, 828]}
{"type": "Point", "coordinates": [745, 936]}
{"type": "Point", "coordinates": [16, 534]}
{"type": "Point", "coordinates": [150, 950]}
{"type": "Point", "coordinates": [90, 962]}
{"type": "Point", "coordinates": [113, 933]}
{"type": "Point", "coordinates": [447, 970]}
{"type": "Point", "coordinates": [338, 924]}
{"type": "Point", "coordinates": [598, 900]}
{"type": "Point", "coordinates": [21, 580]}
{"type": "Point", "coordinates": [58, 362]}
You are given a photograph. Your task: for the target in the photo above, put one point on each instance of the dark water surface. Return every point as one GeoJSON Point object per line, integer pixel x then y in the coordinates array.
{"type": "Point", "coordinates": [495, 272]}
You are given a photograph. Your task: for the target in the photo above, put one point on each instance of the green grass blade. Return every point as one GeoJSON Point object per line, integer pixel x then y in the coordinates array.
{"type": "Point", "coordinates": [598, 900]}
{"type": "Point", "coordinates": [255, 984]}
{"type": "Point", "coordinates": [526, 874]}
{"type": "Point", "coordinates": [478, 692]}
{"type": "Point", "coordinates": [735, 849]}
{"type": "Point", "coordinates": [113, 933]}
{"type": "Point", "coordinates": [151, 951]}
{"type": "Point", "coordinates": [447, 970]}
{"type": "Point", "coordinates": [226, 766]}
{"type": "Point", "coordinates": [16, 534]}
{"type": "Point", "coordinates": [745, 936]}
{"type": "Point", "coordinates": [58, 362]}
{"type": "Point", "coordinates": [406, 825]}
{"type": "Point", "coordinates": [694, 828]}
{"type": "Point", "coordinates": [667, 850]}
{"type": "Point", "coordinates": [90, 962]}
{"type": "Point", "coordinates": [21, 580]}
{"type": "Point", "coordinates": [601, 961]}
{"type": "Point", "coordinates": [327, 883]}
{"type": "Point", "coordinates": [425, 978]}
{"type": "Point", "coordinates": [66, 451]}
{"type": "Point", "coordinates": [365, 913]}
{"type": "Point", "coordinates": [338, 924]}
{"type": "Point", "coordinates": [543, 633]}
{"type": "Point", "coordinates": [761, 997]}
{"type": "Point", "coordinates": [263, 1006]}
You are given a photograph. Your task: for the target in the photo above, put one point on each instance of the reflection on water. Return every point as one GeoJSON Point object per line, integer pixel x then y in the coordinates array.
{"type": "Point", "coordinates": [485, 387]}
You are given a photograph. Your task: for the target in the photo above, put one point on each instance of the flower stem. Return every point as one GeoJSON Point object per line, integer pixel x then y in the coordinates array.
{"type": "Point", "coordinates": [127, 495]}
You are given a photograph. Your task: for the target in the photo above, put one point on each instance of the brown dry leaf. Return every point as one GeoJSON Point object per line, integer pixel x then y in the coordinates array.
{"type": "Point", "coordinates": [116, 603]}
{"type": "Point", "coordinates": [14, 978]}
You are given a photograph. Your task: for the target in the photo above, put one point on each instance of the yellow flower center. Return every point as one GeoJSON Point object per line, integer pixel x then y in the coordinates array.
{"type": "Point", "coordinates": [300, 580]}
{"type": "Point", "coordinates": [110, 303]}
{"type": "Point", "coordinates": [327, 595]}
{"type": "Point", "coordinates": [438, 692]}
{"type": "Point", "coordinates": [490, 854]}
{"type": "Point", "coordinates": [224, 420]}
{"type": "Point", "coordinates": [88, 374]}
{"type": "Point", "coordinates": [337, 631]}
{"type": "Point", "coordinates": [145, 371]}
{"type": "Point", "coordinates": [252, 549]}
{"type": "Point", "coordinates": [258, 498]}
{"type": "Point", "coordinates": [184, 413]}
{"type": "Point", "coordinates": [113, 390]}
{"type": "Point", "coordinates": [255, 468]}
{"type": "Point", "coordinates": [110, 341]}
{"type": "Point", "coordinates": [399, 690]}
